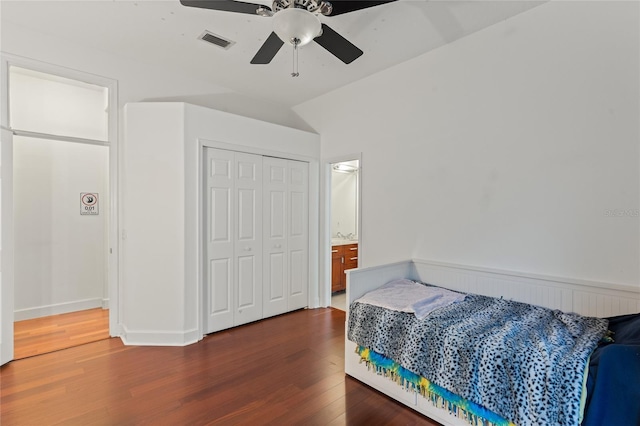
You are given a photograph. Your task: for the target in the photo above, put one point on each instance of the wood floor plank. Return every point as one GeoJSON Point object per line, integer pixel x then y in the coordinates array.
{"type": "Point", "coordinates": [48, 334]}
{"type": "Point", "coordinates": [280, 371]}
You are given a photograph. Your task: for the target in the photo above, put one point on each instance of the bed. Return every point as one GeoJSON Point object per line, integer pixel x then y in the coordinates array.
{"type": "Point", "coordinates": [570, 392]}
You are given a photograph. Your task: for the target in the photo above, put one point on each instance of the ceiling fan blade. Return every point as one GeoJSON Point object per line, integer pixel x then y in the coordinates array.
{"type": "Point", "coordinates": [441, 16]}
{"type": "Point", "coordinates": [344, 6]}
{"type": "Point", "coordinates": [268, 50]}
{"type": "Point", "coordinates": [337, 45]}
{"type": "Point", "coordinates": [225, 5]}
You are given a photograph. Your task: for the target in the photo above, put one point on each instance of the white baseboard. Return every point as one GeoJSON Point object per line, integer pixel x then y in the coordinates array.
{"type": "Point", "coordinates": [115, 330]}
{"type": "Point", "coordinates": [105, 303]}
{"type": "Point", "coordinates": [56, 309]}
{"type": "Point", "coordinates": [159, 338]}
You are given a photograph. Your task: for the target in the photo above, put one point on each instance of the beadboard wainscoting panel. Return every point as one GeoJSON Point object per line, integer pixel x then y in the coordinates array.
{"type": "Point", "coordinates": [597, 304]}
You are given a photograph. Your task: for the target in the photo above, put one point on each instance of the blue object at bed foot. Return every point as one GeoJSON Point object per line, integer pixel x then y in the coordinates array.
{"type": "Point", "coordinates": [615, 397]}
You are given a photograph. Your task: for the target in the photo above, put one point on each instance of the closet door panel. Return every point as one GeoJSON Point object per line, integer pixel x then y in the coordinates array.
{"type": "Point", "coordinates": [248, 304]}
{"type": "Point", "coordinates": [277, 204]}
{"type": "Point", "coordinates": [276, 277]}
{"type": "Point", "coordinates": [219, 223]}
{"type": "Point", "coordinates": [298, 278]}
{"type": "Point", "coordinates": [298, 228]}
{"type": "Point", "coordinates": [248, 238]}
{"type": "Point", "coordinates": [247, 215]}
{"type": "Point", "coordinates": [298, 234]}
{"type": "Point", "coordinates": [275, 236]}
{"type": "Point", "coordinates": [221, 287]}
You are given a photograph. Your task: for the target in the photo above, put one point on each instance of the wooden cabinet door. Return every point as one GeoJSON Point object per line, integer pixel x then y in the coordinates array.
{"type": "Point", "coordinates": [337, 269]}
{"type": "Point", "coordinates": [350, 257]}
{"type": "Point", "coordinates": [343, 257]}
{"type": "Point", "coordinates": [350, 260]}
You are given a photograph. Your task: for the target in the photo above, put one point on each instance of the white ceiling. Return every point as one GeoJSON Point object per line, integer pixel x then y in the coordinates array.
{"type": "Point", "coordinates": [165, 33]}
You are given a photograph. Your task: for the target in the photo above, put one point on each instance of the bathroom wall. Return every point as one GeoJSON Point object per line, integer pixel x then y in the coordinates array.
{"type": "Point", "coordinates": [344, 203]}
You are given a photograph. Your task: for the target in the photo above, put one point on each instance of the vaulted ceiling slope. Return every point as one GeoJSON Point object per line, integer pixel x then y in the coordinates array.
{"type": "Point", "coordinates": [164, 33]}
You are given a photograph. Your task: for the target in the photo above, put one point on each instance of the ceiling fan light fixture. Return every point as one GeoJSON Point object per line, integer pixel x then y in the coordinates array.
{"type": "Point", "coordinates": [296, 26]}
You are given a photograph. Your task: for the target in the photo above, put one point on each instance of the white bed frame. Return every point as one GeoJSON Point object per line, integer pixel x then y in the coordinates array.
{"type": "Point", "coordinates": [584, 297]}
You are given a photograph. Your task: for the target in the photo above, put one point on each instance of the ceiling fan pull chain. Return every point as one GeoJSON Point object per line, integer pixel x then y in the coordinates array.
{"type": "Point", "coordinates": [295, 72]}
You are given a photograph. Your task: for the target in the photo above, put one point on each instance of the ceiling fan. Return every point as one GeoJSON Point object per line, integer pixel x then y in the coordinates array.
{"type": "Point", "coordinates": [296, 22]}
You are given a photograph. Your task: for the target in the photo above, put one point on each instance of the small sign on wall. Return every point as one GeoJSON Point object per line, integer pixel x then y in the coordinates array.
{"type": "Point", "coordinates": [89, 203]}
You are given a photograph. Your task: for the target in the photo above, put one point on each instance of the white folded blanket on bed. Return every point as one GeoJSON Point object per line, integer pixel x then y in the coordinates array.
{"type": "Point", "coordinates": [409, 296]}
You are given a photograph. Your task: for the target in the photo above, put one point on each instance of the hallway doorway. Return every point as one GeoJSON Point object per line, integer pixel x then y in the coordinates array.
{"type": "Point", "coordinates": [62, 129]}
{"type": "Point", "coordinates": [60, 243]}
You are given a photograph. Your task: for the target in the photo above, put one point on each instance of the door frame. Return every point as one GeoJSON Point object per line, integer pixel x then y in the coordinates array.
{"type": "Point", "coordinates": [315, 290]}
{"type": "Point", "coordinates": [325, 221]}
{"type": "Point", "coordinates": [6, 249]}
{"type": "Point", "coordinates": [113, 252]}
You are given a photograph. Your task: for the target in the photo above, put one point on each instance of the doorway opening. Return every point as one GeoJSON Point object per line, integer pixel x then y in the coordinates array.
{"type": "Point", "coordinates": [61, 244]}
{"type": "Point", "coordinates": [344, 226]}
{"type": "Point", "coordinates": [62, 218]}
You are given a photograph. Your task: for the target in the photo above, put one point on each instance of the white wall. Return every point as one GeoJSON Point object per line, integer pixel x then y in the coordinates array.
{"type": "Point", "coordinates": [162, 210]}
{"type": "Point", "coordinates": [153, 221]}
{"type": "Point", "coordinates": [44, 103]}
{"type": "Point", "coordinates": [344, 187]}
{"type": "Point", "coordinates": [510, 147]}
{"type": "Point", "coordinates": [138, 81]}
{"type": "Point", "coordinates": [60, 255]}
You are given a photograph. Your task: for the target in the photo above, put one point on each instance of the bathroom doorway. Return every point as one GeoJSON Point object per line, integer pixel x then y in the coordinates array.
{"type": "Point", "coordinates": [344, 226]}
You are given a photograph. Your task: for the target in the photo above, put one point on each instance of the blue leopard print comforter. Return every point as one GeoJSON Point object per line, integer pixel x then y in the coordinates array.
{"type": "Point", "coordinates": [521, 361]}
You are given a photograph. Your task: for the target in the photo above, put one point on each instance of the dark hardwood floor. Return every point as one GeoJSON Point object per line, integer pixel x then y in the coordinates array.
{"type": "Point", "coordinates": [281, 371]}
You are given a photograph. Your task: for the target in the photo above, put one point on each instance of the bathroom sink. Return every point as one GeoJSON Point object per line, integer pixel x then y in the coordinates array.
{"type": "Point", "coordinates": [341, 241]}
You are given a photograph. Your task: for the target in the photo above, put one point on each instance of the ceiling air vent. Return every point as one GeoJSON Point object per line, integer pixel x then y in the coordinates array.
{"type": "Point", "coordinates": [216, 39]}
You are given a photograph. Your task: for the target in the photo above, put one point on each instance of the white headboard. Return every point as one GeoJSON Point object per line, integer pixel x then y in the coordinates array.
{"type": "Point", "coordinates": [583, 297]}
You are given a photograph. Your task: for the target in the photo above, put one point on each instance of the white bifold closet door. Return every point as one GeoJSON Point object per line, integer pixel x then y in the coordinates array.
{"type": "Point", "coordinates": [286, 222]}
{"type": "Point", "coordinates": [234, 238]}
{"type": "Point", "coordinates": [257, 220]}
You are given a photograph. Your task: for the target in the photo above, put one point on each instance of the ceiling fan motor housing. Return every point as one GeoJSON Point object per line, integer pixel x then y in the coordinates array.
{"type": "Point", "coordinates": [313, 6]}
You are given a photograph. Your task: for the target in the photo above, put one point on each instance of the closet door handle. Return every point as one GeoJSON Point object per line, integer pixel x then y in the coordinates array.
{"type": "Point", "coordinates": [278, 246]}
{"type": "Point", "coordinates": [247, 249]}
